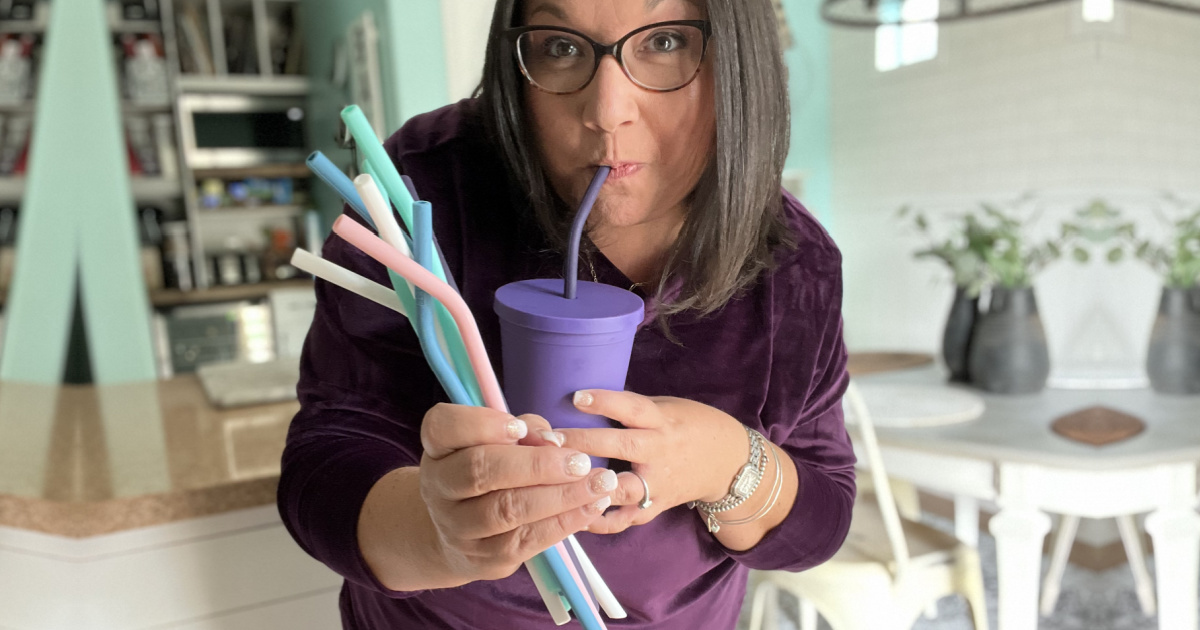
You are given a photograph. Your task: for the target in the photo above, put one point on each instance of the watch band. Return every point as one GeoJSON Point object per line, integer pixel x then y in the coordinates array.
{"type": "Point", "coordinates": [744, 483]}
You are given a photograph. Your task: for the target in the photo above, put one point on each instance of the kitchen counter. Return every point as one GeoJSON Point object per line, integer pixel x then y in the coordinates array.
{"type": "Point", "coordinates": [81, 461]}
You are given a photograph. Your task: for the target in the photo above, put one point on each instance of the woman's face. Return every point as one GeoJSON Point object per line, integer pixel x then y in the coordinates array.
{"type": "Point", "coordinates": [658, 143]}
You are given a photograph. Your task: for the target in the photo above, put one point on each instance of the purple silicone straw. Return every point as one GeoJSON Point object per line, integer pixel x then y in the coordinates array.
{"type": "Point", "coordinates": [571, 266]}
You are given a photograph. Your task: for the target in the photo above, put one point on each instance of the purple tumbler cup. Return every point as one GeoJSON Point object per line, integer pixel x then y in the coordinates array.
{"type": "Point", "coordinates": [554, 347]}
{"type": "Point", "coordinates": [561, 336]}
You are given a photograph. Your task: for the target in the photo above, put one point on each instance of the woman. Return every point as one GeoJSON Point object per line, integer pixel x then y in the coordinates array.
{"type": "Point", "coordinates": [429, 509]}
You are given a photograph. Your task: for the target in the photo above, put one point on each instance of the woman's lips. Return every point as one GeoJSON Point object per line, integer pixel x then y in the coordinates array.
{"type": "Point", "coordinates": [621, 170]}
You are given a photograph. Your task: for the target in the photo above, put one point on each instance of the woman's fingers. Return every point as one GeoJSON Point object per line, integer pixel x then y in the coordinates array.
{"type": "Point", "coordinates": [631, 445]}
{"type": "Point", "coordinates": [540, 432]}
{"type": "Point", "coordinates": [529, 540]}
{"type": "Point", "coordinates": [449, 428]}
{"type": "Point", "coordinates": [626, 496]}
{"type": "Point", "coordinates": [507, 510]}
{"type": "Point", "coordinates": [474, 472]}
{"type": "Point", "coordinates": [632, 410]}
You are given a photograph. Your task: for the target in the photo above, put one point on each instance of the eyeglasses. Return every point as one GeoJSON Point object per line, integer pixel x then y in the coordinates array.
{"type": "Point", "coordinates": [662, 57]}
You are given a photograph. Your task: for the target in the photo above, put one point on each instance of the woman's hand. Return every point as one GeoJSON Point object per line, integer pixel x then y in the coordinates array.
{"type": "Point", "coordinates": [501, 489]}
{"type": "Point", "coordinates": [685, 450]}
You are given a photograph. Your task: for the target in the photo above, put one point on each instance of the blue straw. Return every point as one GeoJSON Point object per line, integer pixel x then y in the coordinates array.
{"type": "Point", "coordinates": [567, 584]}
{"type": "Point", "coordinates": [423, 250]}
{"type": "Point", "coordinates": [412, 190]}
{"type": "Point", "coordinates": [337, 180]}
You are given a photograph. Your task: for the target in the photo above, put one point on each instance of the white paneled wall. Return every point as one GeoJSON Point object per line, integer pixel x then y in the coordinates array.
{"type": "Point", "coordinates": [1037, 101]}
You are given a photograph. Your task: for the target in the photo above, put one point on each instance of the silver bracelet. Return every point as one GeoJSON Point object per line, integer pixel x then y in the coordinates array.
{"type": "Point", "coordinates": [744, 483]}
{"type": "Point", "coordinates": [776, 490]}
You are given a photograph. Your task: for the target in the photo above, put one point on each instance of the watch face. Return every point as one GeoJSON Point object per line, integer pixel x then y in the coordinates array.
{"type": "Point", "coordinates": [744, 485]}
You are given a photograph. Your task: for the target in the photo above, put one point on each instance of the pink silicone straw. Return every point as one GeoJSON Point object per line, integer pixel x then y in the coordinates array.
{"type": "Point", "coordinates": [493, 397]}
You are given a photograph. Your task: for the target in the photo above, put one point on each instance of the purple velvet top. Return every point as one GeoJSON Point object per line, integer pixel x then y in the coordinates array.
{"type": "Point", "coordinates": [773, 358]}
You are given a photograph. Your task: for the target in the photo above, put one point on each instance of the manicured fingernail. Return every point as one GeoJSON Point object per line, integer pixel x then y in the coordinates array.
{"type": "Point", "coordinates": [600, 505]}
{"type": "Point", "coordinates": [516, 429]}
{"type": "Point", "coordinates": [553, 436]}
{"type": "Point", "coordinates": [583, 399]}
{"type": "Point", "coordinates": [604, 482]}
{"type": "Point", "coordinates": [579, 464]}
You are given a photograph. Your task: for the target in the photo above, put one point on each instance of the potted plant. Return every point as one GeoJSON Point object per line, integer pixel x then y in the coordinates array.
{"type": "Point", "coordinates": [1173, 357]}
{"type": "Point", "coordinates": [962, 250]}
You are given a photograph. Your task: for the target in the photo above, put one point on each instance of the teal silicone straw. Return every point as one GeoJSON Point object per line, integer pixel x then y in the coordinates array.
{"type": "Point", "coordinates": [385, 174]}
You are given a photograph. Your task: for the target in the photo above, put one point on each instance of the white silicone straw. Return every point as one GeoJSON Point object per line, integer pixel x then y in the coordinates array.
{"type": "Point", "coordinates": [607, 600]}
{"type": "Point", "coordinates": [340, 276]}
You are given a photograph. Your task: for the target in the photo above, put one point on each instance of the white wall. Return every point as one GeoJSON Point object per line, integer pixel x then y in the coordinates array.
{"type": "Point", "coordinates": [1036, 101]}
{"type": "Point", "coordinates": [464, 32]}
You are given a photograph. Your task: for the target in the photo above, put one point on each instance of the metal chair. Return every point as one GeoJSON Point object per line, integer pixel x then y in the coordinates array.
{"type": "Point", "coordinates": [890, 568]}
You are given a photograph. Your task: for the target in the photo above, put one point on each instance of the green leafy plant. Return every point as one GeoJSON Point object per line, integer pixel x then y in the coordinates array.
{"type": "Point", "coordinates": [1095, 226]}
{"type": "Point", "coordinates": [988, 248]}
{"type": "Point", "coordinates": [1178, 259]}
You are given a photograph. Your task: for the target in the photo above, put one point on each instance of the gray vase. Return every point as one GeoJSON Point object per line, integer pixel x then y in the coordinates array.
{"type": "Point", "coordinates": [956, 338]}
{"type": "Point", "coordinates": [1173, 359]}
{"type": "Point", "coordinates": [1008, 349]}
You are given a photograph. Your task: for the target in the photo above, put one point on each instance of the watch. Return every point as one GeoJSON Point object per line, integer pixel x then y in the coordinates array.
{"type": "Point", "coordinates": [744, 483]}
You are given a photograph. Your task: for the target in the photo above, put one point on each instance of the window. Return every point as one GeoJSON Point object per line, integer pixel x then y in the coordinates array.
{"type": "Point", "coordinates": [1098, 10]}
{"type": "Point", "coordinates": [906, 43]}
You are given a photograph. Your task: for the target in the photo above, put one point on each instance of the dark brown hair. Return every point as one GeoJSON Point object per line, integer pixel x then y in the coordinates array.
{"type": "Point", "coordinates": [734, 220]}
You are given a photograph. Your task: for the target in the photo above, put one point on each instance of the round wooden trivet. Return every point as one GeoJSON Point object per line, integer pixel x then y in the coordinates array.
{"type": "Point", "coordinates": [862, 363]}
{"type": "Point", "coordinates": [1098, 426]}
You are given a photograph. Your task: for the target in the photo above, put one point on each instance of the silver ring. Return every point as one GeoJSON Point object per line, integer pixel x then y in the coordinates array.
{"type": "Point", "coordinates": [645, 502]}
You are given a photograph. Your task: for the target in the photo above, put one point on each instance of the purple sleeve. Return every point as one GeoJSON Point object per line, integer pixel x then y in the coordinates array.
{"type": "Point", "coordinates": [803, 416]}
{"type": "Point", "coordinates": [364, 386]}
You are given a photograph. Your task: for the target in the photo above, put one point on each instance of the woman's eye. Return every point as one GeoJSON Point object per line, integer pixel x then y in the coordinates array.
{"type": "Point", "coordinates": [664, 42]}
{"type": "Point", "coordinates": [559, 48]}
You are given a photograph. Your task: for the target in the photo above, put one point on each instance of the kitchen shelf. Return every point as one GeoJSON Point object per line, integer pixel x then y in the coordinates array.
{"type": "Point", "coordinates": [174, 297]}
{"type": "Point", "coordinates": [23, 108]}
{"type": "Point", "coordinates": [136, 27]}
{"type": "Point", "coordinates": [156, 188]}
{"type": "Point", "coordinates": [140, 108]}
{"type": "Point", "coordinates": [12, 188]}
{"type": "Point", "coordinates": [265, 170]}
{"type": "Point", "coordinates": [249, 213]}
{"type": "Point", "coordinates": [251, 84]}
{"type": "Point", "coordinates": [41, 17]}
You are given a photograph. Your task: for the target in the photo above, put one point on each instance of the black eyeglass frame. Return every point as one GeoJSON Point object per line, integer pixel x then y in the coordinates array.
{"type": "Point", "coordinates": [614, 49]}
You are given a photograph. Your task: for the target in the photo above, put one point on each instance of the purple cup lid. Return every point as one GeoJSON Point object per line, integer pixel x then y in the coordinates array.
{"type": "Point", "coordinates": [597, 308]}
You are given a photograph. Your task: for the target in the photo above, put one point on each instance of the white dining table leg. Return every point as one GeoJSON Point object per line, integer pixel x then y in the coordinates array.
{"type": "Point", "coordinates": [966, 520]}
{"type": "Point", "coordinates": [1020, 532]}
{"type": "Point", "coordinates": [1176, 535]}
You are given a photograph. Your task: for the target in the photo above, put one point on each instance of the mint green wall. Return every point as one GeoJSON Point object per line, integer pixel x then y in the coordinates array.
{"type": "Point", "coordinates": [78, 214]}
{"type": "Point", "coordinates": [412, 64]}
{"type": "Point", "coordinates": [809, 86]}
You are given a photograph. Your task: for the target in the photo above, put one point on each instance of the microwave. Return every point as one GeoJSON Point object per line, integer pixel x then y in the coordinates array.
{"type": "Point", "coordinates": [234, 130]}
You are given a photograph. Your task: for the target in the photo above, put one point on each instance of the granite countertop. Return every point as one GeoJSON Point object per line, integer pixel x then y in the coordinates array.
{"type": "Point", "coordinates": [86, 460]}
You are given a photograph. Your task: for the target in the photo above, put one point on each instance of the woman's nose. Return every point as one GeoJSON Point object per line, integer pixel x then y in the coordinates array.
{"type": "Point", "coordinates": [611, 98]}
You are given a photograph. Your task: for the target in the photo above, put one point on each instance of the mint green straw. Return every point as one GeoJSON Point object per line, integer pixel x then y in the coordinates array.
{"type": "Point", "coordinates": [381, 168]}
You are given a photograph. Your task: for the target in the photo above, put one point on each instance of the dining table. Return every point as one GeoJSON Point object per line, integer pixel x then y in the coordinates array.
{"type": "Point", "coordinates": [1007, 456]}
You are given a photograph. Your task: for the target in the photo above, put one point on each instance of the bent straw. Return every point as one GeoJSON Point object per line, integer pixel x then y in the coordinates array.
{"type": "Point", "coordinates": [339, 182]}
{"type": "Point", "coordinates": [376, 248]}
{"type": "Point", "coordinates": [423, 244]}
{"type": "Point", "coordinates": [451, 344]}
{"type": "Point", "coordinates": [337, 275]}
{"type": "Point", "coordinates": [571, 264]}
{"type": "Point", "coordinates": [340, 276]}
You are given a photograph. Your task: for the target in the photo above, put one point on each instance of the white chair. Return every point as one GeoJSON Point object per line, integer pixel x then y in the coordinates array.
{"type": "Point", "coordinates": [889, 570]}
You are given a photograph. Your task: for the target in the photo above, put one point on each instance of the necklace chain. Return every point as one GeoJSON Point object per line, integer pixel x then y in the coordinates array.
{"type": "Point", "coordinates": [592, 268]}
